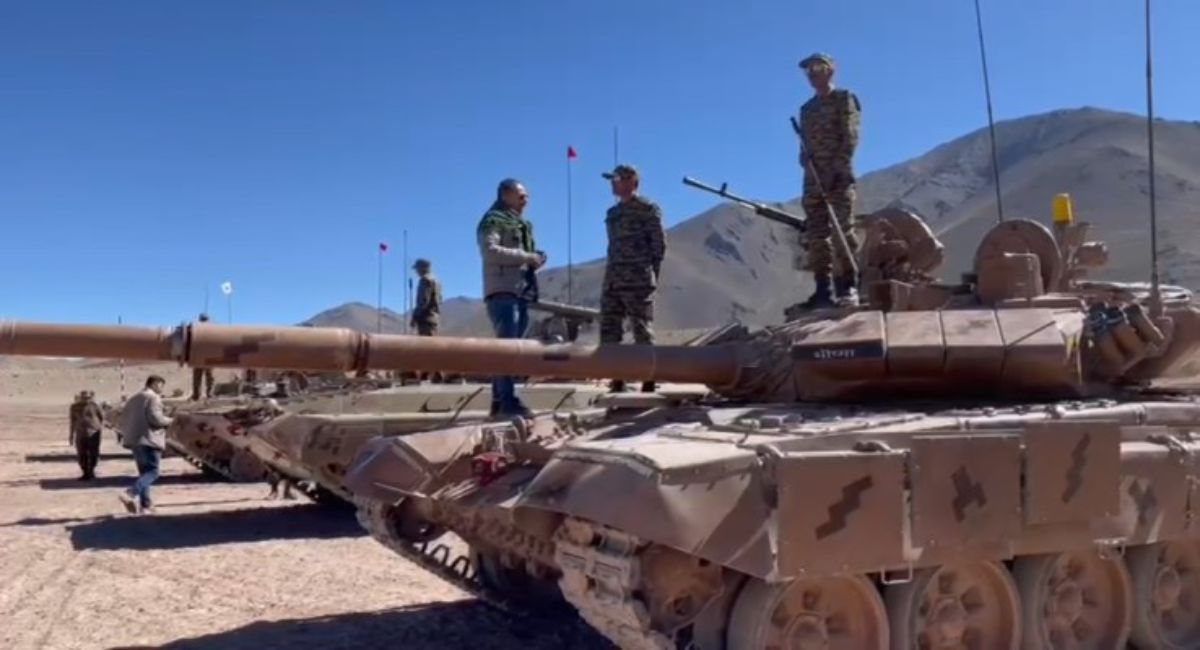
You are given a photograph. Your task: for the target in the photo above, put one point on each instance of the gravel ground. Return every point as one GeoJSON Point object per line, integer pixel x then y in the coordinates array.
{"type": "Point", "coordinates": [216, 567]}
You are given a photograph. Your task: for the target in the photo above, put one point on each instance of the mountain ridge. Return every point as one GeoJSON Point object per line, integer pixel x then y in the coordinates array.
{"type": "Point", "coordinates": [726, 263]}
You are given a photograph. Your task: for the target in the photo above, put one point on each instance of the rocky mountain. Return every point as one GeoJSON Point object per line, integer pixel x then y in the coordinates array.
{"type": "Point", "coordinates": [743, 266]}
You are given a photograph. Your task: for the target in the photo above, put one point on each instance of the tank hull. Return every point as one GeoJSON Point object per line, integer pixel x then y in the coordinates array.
{"type": "Point", "coordinates": [662, 527]}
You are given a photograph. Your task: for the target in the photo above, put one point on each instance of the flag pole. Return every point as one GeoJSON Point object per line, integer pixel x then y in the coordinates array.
{"type": "Point", "coordinates": [227, 289]}
{"type": "Point", "coordinates": [407, 309]}
{"type": "Point", "coordinates": [121, 364]}
{"type": "Point", "coordinates": [379, 295]}
{"type": "Point", "coordinates": [570, 257]}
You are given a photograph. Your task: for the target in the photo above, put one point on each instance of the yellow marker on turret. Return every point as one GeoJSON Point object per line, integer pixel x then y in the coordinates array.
{"type": "Point", "coordinates": [1063, 213]}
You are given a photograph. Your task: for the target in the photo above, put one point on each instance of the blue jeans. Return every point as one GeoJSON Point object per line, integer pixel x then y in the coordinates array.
{"type": "Point", "coordinates": [147, 459]}
{"type": "Point", "coordinates": [510, 319]}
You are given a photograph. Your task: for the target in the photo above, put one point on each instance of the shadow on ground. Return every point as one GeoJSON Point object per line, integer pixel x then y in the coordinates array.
{"type": "Point", "coordinates": [43, 521]}
{"type": "Point", "coordinates": [69, 457]}
{"type": "Point", "coordinates": [111, 481]}
{"type": "Point", "coordinates": [465, 625]}
{"type": "Point", "coordinates": [173, 531]}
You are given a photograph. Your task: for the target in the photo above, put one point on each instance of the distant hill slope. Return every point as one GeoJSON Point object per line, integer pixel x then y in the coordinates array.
{"type": "Point", "coordinates": [728, 263]}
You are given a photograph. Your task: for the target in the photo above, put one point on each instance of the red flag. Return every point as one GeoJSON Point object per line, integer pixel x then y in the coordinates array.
{"type": "Point", "coordinates": [382, 247]}
{"type": "Point", "coordinates": [571, 153]}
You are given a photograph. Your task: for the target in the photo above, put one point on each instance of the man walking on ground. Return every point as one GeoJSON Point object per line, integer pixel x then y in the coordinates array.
{"type": "Point", "coordinates": [205, 374]}
{"type": "Point", "coordinates": [636, 247]}
{"type": "Point", "coordinates": [144, 425]}
{"type": "Point", "coordinates": [828, 137]}
{"type": "Point", "coordinates": [510, 260]}
{"type": "Point", "coordinates": [87, 422]}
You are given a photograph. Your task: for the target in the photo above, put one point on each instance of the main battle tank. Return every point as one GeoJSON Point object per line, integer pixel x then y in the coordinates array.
{"type": "Point", "coordinates": [311, 440]}
{"type": "Point", "coordinates": [309, 437]}
{"type": "Point", "coordinates": [1003, 463]}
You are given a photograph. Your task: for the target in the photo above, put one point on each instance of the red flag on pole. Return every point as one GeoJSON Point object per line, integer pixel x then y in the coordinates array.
{"type": "Point", "coordinates": [383, 247]}
{"type": "Point", "coordinates": [571, 153]}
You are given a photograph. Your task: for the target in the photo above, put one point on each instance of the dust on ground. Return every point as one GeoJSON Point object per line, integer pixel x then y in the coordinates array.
{"type": "Point", "coordinates": [217, 566]}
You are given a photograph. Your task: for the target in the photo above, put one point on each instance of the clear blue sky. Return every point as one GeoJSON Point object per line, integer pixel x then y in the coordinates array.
{"type": "Point", "coordinates": [150, 149]}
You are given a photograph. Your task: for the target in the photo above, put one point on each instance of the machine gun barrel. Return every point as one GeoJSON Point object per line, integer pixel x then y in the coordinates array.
{"type": "Point", "coordinates": [336, 349]}
{"type": "Point", "coordinates": [761, 209]}
{"type": "Point", "coordinates": [574, 312]}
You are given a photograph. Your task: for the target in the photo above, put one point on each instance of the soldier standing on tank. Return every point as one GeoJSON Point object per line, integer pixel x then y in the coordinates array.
{"type": "Point", "coordinates": [425, 314]}
{"type": "Point", "coordinates": [636, 247]}
{"type": "Point", "coordinates": [205, 374]}
{"type": "Point", "coordinates": [87, 423]}
{"type": "Point", "coordinates": [510, 261]}
{"type": "Point", "coordinates": [828, 137]}
{"type": "Point", "coordinates": [429, 300]}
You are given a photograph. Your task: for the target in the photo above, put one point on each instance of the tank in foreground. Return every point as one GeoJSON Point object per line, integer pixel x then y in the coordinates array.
{"type": "Point", "coordinates": [1006, 463]}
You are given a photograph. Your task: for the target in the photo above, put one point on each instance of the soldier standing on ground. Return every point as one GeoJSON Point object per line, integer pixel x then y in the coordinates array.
{"type": "Point", "coordinates": [87, 422]}
{"type": "Point", "coordinates": [829, 134]}
{"type": "Point", "coordinates": [205, 374]}
{"type": "Point", "coordinates": [636, 247]}
{"type": "Point", "coordinates": [510, 260]}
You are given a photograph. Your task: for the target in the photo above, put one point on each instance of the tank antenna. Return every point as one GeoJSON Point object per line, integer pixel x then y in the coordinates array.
{"type": "Point", "coordinates": [987, 92]}
{"type": "Point", "coordinates": [1156, 306]}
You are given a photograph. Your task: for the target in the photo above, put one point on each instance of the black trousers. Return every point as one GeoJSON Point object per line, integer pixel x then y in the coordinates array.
{"type": "Point", "coordinates": [87, 448]}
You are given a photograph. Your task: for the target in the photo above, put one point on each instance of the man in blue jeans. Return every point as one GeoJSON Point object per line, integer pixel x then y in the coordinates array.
{"type": "Point", "coordinates": [143, 429]}
{"type": "Point", "coordinates": [510, 259]}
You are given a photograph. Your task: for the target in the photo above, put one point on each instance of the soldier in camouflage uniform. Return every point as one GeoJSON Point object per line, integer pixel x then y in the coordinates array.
{"type": "Point", "coordinates": [86, 422]}
{"type": "Point", "coordinates": [636, 247]}
{"type": "Point", "coordinates": [426, 312]}
{"type": "Point", "coordinates": [204, 375]}
{"type": "Point", "coordinates": [829, 134]}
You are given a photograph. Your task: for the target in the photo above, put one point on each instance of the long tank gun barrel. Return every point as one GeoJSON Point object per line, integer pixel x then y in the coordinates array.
{"type": "Point", "coordinates": [335, 349]}
{"type": "Point", "coordinates": [761, 209]}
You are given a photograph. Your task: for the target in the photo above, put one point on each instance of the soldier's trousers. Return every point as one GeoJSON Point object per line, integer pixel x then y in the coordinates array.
{"type": "Point", "coordinates": [205, 374]}
{"type": "Point", "coordinates": [824, 257]}
{"type": "Point", "coordinates": [428, 329]}
{"type": "Point", "coordinates": [87, 449]}
{"type": "Point", "coordinates": [637, 305]}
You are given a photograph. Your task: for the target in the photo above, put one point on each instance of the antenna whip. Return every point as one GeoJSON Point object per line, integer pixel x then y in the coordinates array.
{"type": "Point", "coordinates": [1155, 291]}
{"type": "Point", "coordinates": [987, 91]}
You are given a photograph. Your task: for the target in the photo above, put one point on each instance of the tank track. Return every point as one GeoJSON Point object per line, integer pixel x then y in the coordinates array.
{"type": "Point", "coordinates": [601, 578]}
{"type": "Point", "coordinates": [208, 469]}
{"type": "Point", "coordinates": [309, 489]}
{"type": "Point", "coordinates": [432, 556]}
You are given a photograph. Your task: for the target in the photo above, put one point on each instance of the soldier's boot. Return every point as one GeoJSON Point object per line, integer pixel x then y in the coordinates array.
{"type": "Point", "coordinates": [616, 386]}
{"type": "Point", "coordinates": [649, 387]}
{"type": "Point", "coordinates": [821, 296]}
{"type": "Point", "coordinates": [845, 291]}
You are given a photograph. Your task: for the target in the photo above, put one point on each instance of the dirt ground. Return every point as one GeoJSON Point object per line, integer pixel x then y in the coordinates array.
{"type": "Point", "coordinates": [217, 566]}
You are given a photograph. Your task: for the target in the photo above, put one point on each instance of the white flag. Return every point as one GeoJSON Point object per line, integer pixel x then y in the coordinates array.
{"type": "Point", "coordinates": [227, 288]}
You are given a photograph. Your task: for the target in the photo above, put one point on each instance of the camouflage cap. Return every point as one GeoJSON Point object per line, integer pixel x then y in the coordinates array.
{"type": "Point", "coordinates": [818, 57]}
{"type": "Point", "coordinates": [624, 171]}
{"type": "Point", "coordinates": [421, 263]}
